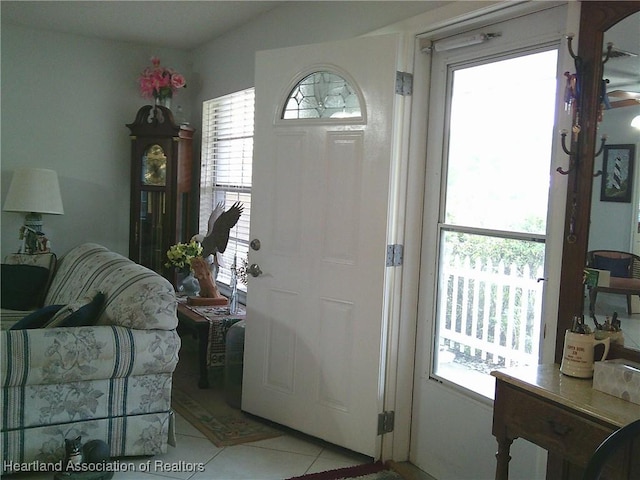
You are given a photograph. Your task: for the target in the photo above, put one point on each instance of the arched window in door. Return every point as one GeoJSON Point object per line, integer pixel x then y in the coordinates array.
{"type": "Point", "coordinates": [323, 95]}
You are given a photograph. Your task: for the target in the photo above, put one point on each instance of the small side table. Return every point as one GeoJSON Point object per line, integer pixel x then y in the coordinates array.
{"type": "Point", "coordinates": [200, 321]}
{"type": "Point", "coordinates": [561, 414]}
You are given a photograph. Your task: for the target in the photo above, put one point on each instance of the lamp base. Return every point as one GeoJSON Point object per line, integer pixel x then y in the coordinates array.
{"type": "Point", "coordinates": [33, 221]}
{"type": "Point", "coordinates": [33, 240]}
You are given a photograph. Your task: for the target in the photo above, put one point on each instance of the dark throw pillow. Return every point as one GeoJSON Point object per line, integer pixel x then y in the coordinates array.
{"type": "Point", "coordinates": [23, 286]}
{"type": "Point", "coordinates": [37, 319]}
{"type": "Point", "coordinates": [619, 267]}
{"type": "Point", "coordinates": [80, 314]}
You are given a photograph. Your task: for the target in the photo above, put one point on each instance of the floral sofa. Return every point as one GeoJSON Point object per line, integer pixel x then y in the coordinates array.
{"type": "Point", "coordinates": [109, 381]}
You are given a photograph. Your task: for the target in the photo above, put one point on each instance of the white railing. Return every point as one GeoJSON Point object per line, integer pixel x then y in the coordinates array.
{"type": "Point", "coordinates": [489, 313]}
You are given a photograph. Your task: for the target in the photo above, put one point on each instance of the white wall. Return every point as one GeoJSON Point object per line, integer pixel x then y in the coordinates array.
{"type": "Point", "coordinates": [66, 100]}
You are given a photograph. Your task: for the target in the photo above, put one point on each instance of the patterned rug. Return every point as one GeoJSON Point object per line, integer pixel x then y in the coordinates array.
{"type": "Point", "coordinates": [207, 410]}
{"type": "Point", "coordinates": [369, 471]}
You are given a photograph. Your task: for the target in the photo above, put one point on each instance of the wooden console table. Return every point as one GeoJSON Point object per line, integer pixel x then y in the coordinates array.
{"type": "Point", "coordinates": [209, 325]}
{"type": "Point", "coordinates": [561, 414]}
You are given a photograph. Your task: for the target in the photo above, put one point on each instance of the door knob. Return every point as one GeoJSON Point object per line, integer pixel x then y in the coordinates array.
{"type": "Point", "coordinates": [254, 270]}
{"type": "Point", "coordinates": [255, 244]}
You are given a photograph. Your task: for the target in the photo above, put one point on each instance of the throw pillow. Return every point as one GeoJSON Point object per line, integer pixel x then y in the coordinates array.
{"type": "Point", "coordinates": [619, 267]}
{"type": "Point", "coordinates": [22, 286]}
{"type": "Point", "coordinates": [78, 314]}
{"type": "Point", "coordinates": [36, 319]}
{"type": "Point", "coordinates": [46, 260]}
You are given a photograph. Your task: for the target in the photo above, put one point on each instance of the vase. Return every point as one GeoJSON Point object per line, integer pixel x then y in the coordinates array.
{"type": "Point", "coordinates": [163, 102]}
{"type": "Point", "coordinates": [233, 300]}
{"type": "Point", "coordinates": [188, 284]}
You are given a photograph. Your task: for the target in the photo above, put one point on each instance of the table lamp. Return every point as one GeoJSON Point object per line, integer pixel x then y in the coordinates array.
{"type": "Point", "coordinates": [33, 191]}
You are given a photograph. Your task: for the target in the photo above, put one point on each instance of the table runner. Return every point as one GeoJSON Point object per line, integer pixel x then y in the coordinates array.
{"type": "Point", "coordinates": [220, 321]}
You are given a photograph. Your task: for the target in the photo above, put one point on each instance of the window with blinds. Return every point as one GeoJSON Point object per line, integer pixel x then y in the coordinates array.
{"type": "Point", "coordinates": [225, 175]}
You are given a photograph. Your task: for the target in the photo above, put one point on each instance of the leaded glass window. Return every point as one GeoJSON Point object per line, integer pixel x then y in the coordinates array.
{"type": "Point", "coordinates": [322, 95]}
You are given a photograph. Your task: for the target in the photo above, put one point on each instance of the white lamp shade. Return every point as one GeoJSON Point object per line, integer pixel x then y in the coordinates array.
{"type": "Point", "coordinates": [34, 190]}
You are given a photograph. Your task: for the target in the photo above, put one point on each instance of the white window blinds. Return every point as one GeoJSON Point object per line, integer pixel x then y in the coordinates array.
{"type": "Point", "coordinates": [225, 175]}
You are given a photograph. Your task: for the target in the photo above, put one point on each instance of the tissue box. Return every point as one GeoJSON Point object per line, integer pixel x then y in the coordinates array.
{"type": "Point", "coordinates": [619, 377]}
{"type": "Point", "coordinates": [597, 278]}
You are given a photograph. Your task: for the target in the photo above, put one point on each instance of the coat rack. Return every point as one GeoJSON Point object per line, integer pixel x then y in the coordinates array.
{"type": "Point", "coordinates": [572, 94]}
{"type": "Point", "coordinates": [572, 97]}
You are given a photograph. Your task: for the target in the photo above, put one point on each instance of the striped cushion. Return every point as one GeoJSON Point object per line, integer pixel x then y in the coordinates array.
{"type": "Point", "coordinates": [8, 318]}
{"type": "Point", "coordinates": [37, 405]}
{"type": "Point", "coordinates": [72, 354]}
{"type": "Point", "coordinates": [133, 435]}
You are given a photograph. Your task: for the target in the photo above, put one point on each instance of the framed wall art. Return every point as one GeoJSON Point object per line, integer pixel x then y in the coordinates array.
{"type": "Point", "coordinates": [617, 173]}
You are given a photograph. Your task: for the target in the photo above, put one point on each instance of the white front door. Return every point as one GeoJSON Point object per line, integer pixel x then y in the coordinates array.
{"type": "Point", "coordinates": [315, 341]}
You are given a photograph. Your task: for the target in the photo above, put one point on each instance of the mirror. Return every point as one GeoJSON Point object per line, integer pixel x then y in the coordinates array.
{"type": "Point", "coordinates": [596, 19]}
{"type": "Point", "coordinates": [619, 212]}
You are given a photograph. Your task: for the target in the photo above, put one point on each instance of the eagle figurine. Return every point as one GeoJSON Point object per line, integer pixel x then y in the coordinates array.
{"type": "Point", "coordinates": [220, 223]}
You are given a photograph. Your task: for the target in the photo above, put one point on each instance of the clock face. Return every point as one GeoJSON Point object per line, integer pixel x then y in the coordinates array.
{"type": "Point", "coordinates": [154, 166]}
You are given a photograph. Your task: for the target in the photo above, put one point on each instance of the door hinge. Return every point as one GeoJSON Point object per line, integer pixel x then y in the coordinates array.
{"type": "Point", "coordinates": [385, 422]}
{"type": "Point", "coordinates": [395, 255]}
{"type": "Point", "coordinates": [404, 83]}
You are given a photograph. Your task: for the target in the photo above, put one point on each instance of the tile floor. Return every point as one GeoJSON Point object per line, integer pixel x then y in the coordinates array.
{"type": "Point", "coordinates": [277, 458]}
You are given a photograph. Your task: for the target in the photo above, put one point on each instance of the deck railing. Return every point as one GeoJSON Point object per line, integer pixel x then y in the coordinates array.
{"type": "Point", "coordinates": [491, 314]}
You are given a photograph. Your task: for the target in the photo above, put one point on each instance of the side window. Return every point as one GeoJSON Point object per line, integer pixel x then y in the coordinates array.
{"type": "Point", "coordinates": [225, 175]}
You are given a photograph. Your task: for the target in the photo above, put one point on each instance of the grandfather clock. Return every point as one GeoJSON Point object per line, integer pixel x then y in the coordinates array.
{"type": "Point", "coordinates": [161, 195]}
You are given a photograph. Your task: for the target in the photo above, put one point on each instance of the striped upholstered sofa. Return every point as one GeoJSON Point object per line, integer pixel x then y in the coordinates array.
{"type": "Point", "coordinates": [109, 381]}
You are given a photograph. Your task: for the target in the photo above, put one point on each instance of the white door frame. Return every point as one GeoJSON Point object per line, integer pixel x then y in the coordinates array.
{"type": "Point", "coordinates": [401, 367]}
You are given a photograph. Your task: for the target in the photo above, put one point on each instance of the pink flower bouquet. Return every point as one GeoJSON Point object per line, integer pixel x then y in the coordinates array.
{"type": "Point", "coordinates": [158, 82]}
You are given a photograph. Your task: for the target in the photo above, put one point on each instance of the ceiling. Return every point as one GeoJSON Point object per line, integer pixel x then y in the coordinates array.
{"type": "Point", "coordinates": [178, 24]}
{"type": "Point", "coordinates": [622, 70]}
{"type": "Point", "coordinates": [190, 24]}
{"type": "Point", "coordinates": [183, 24]}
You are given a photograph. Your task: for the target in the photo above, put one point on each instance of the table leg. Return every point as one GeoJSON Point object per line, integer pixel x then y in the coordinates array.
{"type": "Point", "coordinates": [503, 457]}
{"type": "Point", "coordinates": [203, 341]}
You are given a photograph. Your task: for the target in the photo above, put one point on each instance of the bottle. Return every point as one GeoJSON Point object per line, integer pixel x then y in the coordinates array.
{"type": "Point", "coordinates": [233, 302]}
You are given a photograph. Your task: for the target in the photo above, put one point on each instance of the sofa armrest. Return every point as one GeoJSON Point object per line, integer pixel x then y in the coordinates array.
{"type": "Point", "coordinates": [8, 318]}
{"type": "Point", "coordinates": [72, 354]}
{"type": "Point", "coordinates": [136, 297]}
{"type": "Point", "coordinates": [630, 285]}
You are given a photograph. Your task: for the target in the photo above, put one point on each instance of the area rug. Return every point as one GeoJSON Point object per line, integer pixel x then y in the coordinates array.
{"type": "Point", "coordinates": [368, 471]}
{"type": "Point", "coordinates": [207, 410]}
